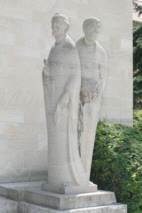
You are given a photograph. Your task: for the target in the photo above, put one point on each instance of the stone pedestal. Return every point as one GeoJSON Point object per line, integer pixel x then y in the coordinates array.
{"type": "Point", "coordinates": [29, 198]}
{"type": "Point", "coordinates": [28, 208]}
{"type": "Point", "coordinates": [8, 206]}
{"type": "Point", "coordinates": [70, 189]}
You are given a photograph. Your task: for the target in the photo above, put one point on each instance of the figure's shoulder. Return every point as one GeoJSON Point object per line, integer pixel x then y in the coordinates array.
{"type": "Point", "coordinates": [80, 42]}
{"type": "Point", "coordinates": [51, 50]}
{"type": "Point", "coordinates": [100, 48]}
{"type": "Point", "coordinates": [69, 43]}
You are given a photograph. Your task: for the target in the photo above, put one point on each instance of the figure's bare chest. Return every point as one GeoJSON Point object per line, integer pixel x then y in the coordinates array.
{"type": "Point", "coordinates": [90, 62]}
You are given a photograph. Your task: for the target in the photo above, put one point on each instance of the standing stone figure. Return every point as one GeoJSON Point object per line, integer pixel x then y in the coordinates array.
{"type": "Point", "coordinates": [61, 83]}
{"type": "Point", "coordinates": [93, 75]}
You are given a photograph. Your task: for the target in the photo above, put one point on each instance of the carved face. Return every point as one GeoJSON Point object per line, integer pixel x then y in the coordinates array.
{"type": "Point", "coordinates": [91, 32]}
{"type": "Point", "coordinates": [59, 28]}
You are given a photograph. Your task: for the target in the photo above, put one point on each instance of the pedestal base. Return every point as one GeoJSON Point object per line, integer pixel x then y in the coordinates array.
{"type": "Point", "coordinates": [71, 201]}
{"type": "Point", "coordinates": [29, 198]}
{"type": "Point", "coordinates": [8, 206]}
{"type": "Point", "coordinates": [69, 189]}
{"type": "Point", "coordinates": [28, 208]}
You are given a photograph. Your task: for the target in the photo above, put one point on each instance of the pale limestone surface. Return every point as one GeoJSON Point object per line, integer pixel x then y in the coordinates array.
{"type": "Point", "coordinates": [29, 198]}
{"type": "Point", "coordinates": [8, 206]}
{"type": "Point", "coordinates": [61, 84]}
{"type": "Point", "coordinates": [93, 62]}
{"type": "Point", "coordinates": [29, 208]}
{"type": "Point", "coordinates": [25, 39]}
{"type": "Point", "coordinates": [72, 201]}
{"type": "Point", "coordinates": [72, 77]}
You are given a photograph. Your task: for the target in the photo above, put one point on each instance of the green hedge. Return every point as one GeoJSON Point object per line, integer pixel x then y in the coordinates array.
{"type": "Point", "coordinates": [137, 121]}
{"type": "Point", "coordinates": [117, 163]}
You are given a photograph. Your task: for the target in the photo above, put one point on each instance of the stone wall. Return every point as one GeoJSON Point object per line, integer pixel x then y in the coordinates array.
{"type": "Point", "coordinates": [25, 39]}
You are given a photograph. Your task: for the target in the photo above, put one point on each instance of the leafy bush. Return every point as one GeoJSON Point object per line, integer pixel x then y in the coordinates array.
{"type": "Point", "coordinates": [117, 163]}
{"type": "Point", "coordinates": [137, 121]}
{"type": "Point", "coordinates": [137, 55]}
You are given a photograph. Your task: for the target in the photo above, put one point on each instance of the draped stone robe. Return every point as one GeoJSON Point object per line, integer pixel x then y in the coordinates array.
{"type": "Point", "coordinates": [64, 75]}
{"type": "Point", "coordinates": [93, 74]}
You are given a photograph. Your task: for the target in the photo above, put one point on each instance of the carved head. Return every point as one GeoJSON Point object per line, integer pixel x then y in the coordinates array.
{"type": "Point", "coordinates": [60, 25]}
{"type": "Point", "coordinates": [91, 27]}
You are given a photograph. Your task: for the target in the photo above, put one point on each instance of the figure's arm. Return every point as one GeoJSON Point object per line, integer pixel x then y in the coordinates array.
{"type": "Point", "coordinates": [45, 71]}
{"type": "Point", "coordinates": [103, 73]}
{"type": "Point", "coordinates": [60, 106]}
{"type": "Point", "coordinates": [72, 84]}
{"type": "Point", "coordinates": [65, 98]}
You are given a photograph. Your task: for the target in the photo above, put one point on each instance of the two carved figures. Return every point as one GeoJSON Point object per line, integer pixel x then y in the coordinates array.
{"type": "Point", "coordinates": [73, 81]}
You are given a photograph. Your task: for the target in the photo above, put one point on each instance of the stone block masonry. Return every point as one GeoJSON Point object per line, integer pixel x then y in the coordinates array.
{"type": "Point", "coordinates": [25, 39]}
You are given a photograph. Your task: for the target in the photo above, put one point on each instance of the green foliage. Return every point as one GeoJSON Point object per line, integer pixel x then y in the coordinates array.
{"type": "Point", "coordinates": [117, 163]}
{"type": "Point", "coordinates": [137, 7]}
{"type": "Point", "coordinates": [137, 121]}
{"type": "Point", "coordinates": [137, 56]}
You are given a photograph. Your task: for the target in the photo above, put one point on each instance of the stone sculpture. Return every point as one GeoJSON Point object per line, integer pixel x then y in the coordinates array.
{"type": "Point", "coordinates": [61, 83]}
{"type": "Point", "coordinates": [73, 88]}
{"type": "Point", "coordinates": [72, 76]}
{"type": "Point", "coordinates": [93, 77]}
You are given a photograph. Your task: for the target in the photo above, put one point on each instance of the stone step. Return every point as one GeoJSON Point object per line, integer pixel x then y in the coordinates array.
{"type": "Point", "coordinates": [15, 191]}
{"type": "Point", "coordinates": [8, 206]}
{"type": "Point", "coordinates": [70, 201]}
{"type": "Point", "coordinates": [31, 208]}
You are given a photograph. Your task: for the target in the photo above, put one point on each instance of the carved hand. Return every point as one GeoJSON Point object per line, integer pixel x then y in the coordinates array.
{"type": "Point", "coordinates": [63, 103]}
{"type": "Point", "coordinates": [89, 96]}
{"type": "Point", "coordinates": [94, 94]}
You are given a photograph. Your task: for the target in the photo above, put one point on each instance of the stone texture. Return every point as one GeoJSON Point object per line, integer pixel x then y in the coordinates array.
{"type": "Point", "coordinates": [71, 189]}
{"type": "Point", "coordinates": [15, 191]}
{"type": "Point", "coordinates": [73, 201]}
{"type": "Point", "coordinates": [26, 39]}
{"type": "Point", "coordinates": [27, 197]}
{"type": "Point", "coordinates": [61, 77]}
{"type": "Point", "coordinates": [29, 208]}
{"type": "Point", "coordinates": [8, 206]}
{"type": "Point", "coordinates": [93, 62]}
